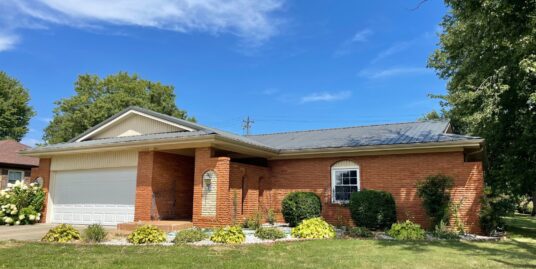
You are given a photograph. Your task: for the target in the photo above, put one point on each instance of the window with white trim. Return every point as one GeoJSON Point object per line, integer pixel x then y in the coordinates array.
{"type": "Point", "coordinates": [344, 181]}
{"type": "Point", "coordinates": [14, 176]}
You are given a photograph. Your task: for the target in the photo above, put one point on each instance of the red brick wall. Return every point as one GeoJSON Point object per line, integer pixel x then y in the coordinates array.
{"type": "Point", "coordinates": [204, 161]}
{"type": "Point", "coordinates": [43, 171]}
{"type": "Point", "coordinates": [169, 177]}
{"type": "Point", "coordinates": [396, 174]}
{"type": "Point", "coordinates": [255, 197]}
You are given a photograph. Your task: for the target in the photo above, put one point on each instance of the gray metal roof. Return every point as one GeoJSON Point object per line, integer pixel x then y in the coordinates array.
{"type": "Point", "coordinates": [373, 135]}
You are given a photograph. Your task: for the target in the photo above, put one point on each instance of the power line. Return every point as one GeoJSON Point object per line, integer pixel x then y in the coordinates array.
{"type": "Point", "coordinates": [246, 125]}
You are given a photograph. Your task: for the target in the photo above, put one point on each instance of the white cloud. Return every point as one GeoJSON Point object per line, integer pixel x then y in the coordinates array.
{"type": "Point", "coordinates": [326, 97]}
{"type": "Point", "coordinates": [348, 45]}
{"type": "Point", "coordinates": [394, 49]}
{"type": "Point", "coordinates": [391, 72]}
{"type": "Point", "coordinates": [7, 41]}
{"type": "Point", "coordinates": [251, 20]}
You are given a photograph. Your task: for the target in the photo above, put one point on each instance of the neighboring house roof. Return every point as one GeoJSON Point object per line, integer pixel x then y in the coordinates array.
{"type": "Point", "coordinates": [9, 154]}
{"type": "Point", "coordinates": [351, 137]}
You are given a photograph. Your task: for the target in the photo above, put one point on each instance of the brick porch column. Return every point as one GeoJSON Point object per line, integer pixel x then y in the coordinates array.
{"type": "Point", "coordinates": [144, 190]}
{"type": "Point", "coordinates": [204, 161]}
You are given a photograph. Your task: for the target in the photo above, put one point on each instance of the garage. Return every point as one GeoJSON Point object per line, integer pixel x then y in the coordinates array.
{"type": "Point", "coordinates": [104, 196]}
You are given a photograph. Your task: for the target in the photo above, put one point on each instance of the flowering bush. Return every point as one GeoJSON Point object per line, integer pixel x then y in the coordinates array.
{"type": "Point", "coordinates": [21, 204]}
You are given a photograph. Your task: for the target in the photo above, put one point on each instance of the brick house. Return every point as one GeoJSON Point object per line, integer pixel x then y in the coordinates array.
{"type": "Point", "coordinates": [13, 166]}
{"type": "Point", "coordinates": [140, 165]}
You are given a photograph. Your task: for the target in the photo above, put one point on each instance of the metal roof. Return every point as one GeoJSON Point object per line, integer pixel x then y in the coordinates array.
{"type": "Point", "coordinates": [373, 135]}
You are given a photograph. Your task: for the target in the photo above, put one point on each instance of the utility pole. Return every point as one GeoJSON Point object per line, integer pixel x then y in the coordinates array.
{"type": "Point", "coordinates": [246, 125]}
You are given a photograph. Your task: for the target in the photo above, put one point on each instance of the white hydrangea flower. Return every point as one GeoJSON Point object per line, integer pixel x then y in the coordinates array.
{"type": "Point", "coordinates": [31, 217]}
{"type": "Point", "coordinates": [17, 222]}
{"type": "Point", "coordinates": [21, 217]}
{"type": "Point", "coordinates": [8, 220]}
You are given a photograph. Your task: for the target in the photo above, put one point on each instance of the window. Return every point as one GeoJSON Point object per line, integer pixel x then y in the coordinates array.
{"type": "Point", "coordinates": [14, 176]}
{"type": "Point", "coordinates": [344, 181]}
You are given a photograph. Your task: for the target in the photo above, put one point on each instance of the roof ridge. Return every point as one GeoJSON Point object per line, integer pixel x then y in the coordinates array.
{"type": "Point", "coordinates": [347, 127]}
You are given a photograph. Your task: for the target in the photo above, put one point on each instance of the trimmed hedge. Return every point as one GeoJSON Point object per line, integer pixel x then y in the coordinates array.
{"type": "Point", "coordinates": [298, 206]}
{"type": "Point", "coordinates": [372, 209]}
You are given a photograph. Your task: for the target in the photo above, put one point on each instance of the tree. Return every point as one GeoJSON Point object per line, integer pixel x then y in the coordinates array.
{"type": "Point", "coordinates": [97, 99]}
{"type": "Point", "coordinates": [432, 115]}
{"type": "Point", "coordinates": [487, 52]}
{"type": "Point", "coordinates": [15, 112]}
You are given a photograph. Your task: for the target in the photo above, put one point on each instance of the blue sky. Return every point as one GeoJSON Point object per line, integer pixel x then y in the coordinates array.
{"type": "Point", "coordinates": [289, 65]}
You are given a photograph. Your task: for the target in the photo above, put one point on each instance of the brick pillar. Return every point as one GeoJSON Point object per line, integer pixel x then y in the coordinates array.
{"type": "Point", "coordinates": [144, 190]}
{"type": "Point", "coordinates": [43, 171]}
{"type": "Point", "coordinates": [221, 166]}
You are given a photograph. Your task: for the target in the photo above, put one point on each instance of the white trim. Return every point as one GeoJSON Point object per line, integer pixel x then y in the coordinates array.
{"type": "Point", "coordinates": [334, 168]}
{"type": "Point", "coordinates": [15, 170]}
{"type": "Point", "coordinates": [127, 114]}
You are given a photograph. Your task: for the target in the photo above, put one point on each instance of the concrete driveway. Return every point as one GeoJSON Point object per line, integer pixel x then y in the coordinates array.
{"type": "Point", "coordinates": [28, 232]}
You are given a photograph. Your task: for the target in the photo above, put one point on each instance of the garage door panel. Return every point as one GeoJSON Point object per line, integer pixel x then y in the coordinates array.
{"type": "Point", "coordinates": [103, 196]}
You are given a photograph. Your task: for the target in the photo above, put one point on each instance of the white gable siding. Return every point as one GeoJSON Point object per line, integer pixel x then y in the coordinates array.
{"type": "Point", "coordinates": [135, 125]}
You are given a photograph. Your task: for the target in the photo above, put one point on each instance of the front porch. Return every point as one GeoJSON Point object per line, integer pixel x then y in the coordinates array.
{"type": "Point", "coordinates": [202, 187]}
{"type": "Point", "coordinates": [164, 225]}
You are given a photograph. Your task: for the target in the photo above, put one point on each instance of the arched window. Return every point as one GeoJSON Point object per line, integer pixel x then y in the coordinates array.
{"type": "Point", "coordinates": [344, 181]}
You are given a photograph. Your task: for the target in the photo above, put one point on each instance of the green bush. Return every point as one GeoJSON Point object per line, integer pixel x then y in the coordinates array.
{"type": "Point", "coordinates": [406, 231]}
{"type": "Point", "coordinates": [493, 208]}
{"type": "Point", "coordinates": [21, 204]}
{"type": "Point", "coordinates": [441, 231]}
{"type": "Point", "coordinates": [189, 236]}
{"type": "Point", "coordinates": [358, 232]}
{"type": "Point", "coordinates": [525, 205]}
{"type": "Point", "coordinates": [269, 233]}
{"type": "Point", "coordinates": [94, 233]}
{"type": "Point", "coordinates": [297, 206]}
{"type": "Point", "coordinates": [147, 234]}
{"type": "Point", "coordinates": [253, 222]}
{"type": "Point", "coordinates": [315, 228]}
{"type": "Point", "coordinates": [228, 235]}
{"type": "Point", "coordinates": [62, 233]}
{"type": "Point", "coordinates": [270, 217]}
{"type": "Point", "coordinates": [373, 209]}
{"type": "Point", "coordinates": [435, 194]}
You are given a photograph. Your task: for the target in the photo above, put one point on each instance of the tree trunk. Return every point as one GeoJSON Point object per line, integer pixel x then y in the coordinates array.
{"type": "Point", "coordinates": [533, 204]}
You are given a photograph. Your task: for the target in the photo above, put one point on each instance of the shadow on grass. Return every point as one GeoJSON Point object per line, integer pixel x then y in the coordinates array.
{"type": "Point", "coordinates": [521, 226]}
{"type": "Point", "coordinates": [505, 252]}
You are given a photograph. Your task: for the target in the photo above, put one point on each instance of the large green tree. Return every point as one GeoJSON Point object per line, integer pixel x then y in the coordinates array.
{"type": "Point", "coordinates": [487, 52]}
{"type": "Point", "coordinates": [97, 98]}
{"type": "Point", "coordinates": [15, 112]}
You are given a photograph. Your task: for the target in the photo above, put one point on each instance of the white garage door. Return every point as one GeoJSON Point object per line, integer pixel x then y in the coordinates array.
{"type": "Point", "coordinates": [104, 196]}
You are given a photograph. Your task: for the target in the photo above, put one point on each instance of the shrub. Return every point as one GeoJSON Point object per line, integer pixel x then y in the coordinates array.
{"type": "Point", "coordinates": [62, 233]}
{"type": "Point", "coordinates": [269, 233]}
{"type": "Point", "coordinates": [434, 192]}
{"type": "Point", "coordinates": [373, 209]}
{"type": "Point", "coordinates": [359, 232]}
{"type": "Point", "coordinates": [94, 233]}
{"type": "Point", "coordinates": [189, 236]}
{"type": "Point", "coordinates": [21, 204]}
{"type": "Point", "coordinates": [442, 231]}
{"type": "Point", "coordinates": [493, 208]}
{"type": "Point", "coordinates": [270, 217]}
{"type": "Point", "coordinates": [228, 235]}
{"type": "Point", "coordinates": [315, 228]}
{"type": "Point", "coordinates": [525, 205]}
{"type": "Point", "coordinates": [147, 234]}
{"type": "Point", "coordinates": [406, 231]}
{"type": "Point", "coordinates": [253, 222]}
{"type": "Point", "coordinates": [297, 206]}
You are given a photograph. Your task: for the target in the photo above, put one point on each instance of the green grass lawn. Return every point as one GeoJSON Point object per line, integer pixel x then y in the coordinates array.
{"type": "Point", "coordinates": [519, 251]}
